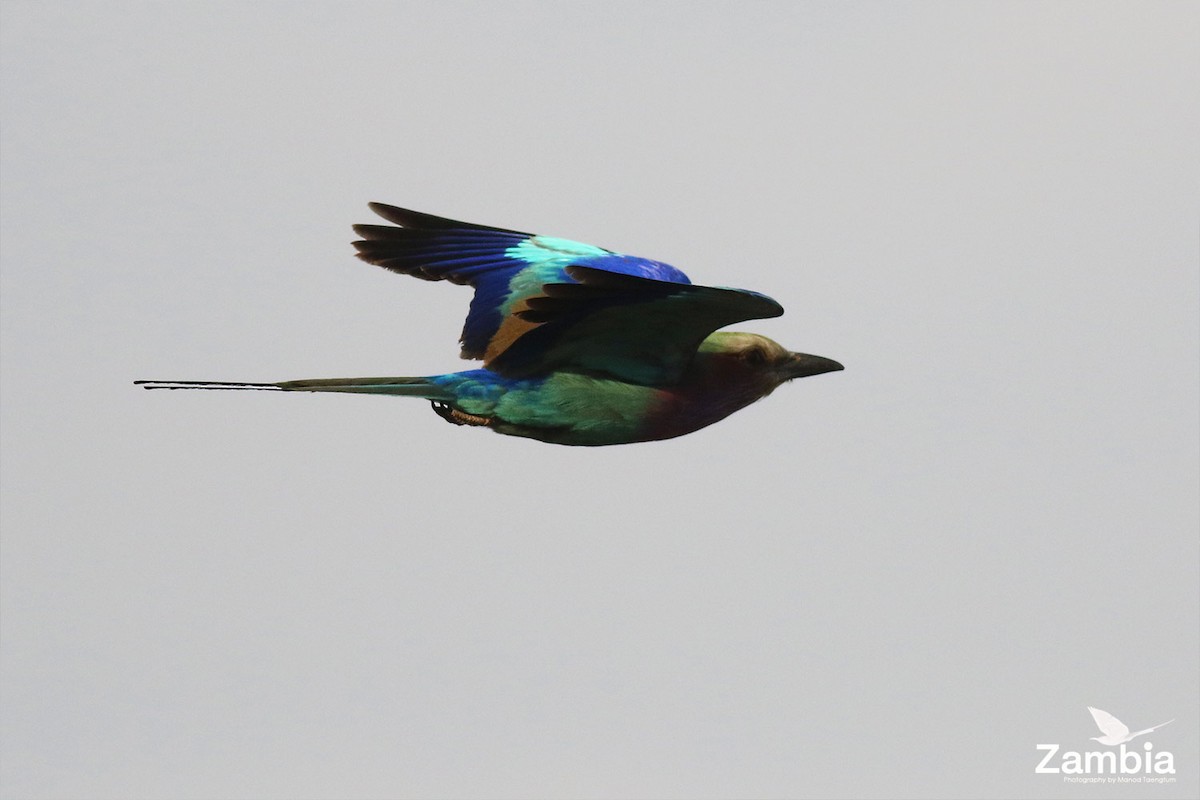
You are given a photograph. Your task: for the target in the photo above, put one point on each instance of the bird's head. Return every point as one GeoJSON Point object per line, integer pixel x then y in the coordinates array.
{"type": "Point", "coordinates": [753, 360]}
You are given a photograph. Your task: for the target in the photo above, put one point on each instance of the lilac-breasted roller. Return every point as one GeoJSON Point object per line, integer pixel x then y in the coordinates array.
{"type": "Point", "coordinates": [580, 345]}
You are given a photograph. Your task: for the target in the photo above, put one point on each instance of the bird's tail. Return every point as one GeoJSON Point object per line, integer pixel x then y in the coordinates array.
{"type": "Point", "coordinates": [408, 387]}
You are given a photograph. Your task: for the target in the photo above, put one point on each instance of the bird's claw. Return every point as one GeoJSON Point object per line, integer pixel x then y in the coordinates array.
{"type": "Point", "coordinates": [456, 417]}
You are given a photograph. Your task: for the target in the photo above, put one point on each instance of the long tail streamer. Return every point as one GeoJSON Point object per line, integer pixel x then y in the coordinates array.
{"type": "Point", "coordinates": [225, 385]}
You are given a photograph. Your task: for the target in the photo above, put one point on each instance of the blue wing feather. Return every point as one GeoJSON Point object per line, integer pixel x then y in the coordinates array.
{"type": "Point", "coordinates": [505, 267]}
{"type": "Point", "coordinates": [631, 265]}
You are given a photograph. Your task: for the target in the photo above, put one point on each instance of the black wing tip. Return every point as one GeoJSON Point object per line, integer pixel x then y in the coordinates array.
{"type": "Point", "coordinates": [419, 220]}
{"type": "Point", "coordinates": [398, 216]}
{"type": "Point", "coordinates": [776, 308]}
{"type": "Point", "coordinates": [375, 232]}
{"type": "Point", "coordinates": [750, 304]}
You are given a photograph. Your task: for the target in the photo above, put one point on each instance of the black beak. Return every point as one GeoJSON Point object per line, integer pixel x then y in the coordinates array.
{"type": "Point", "coordinates": [802, 365]}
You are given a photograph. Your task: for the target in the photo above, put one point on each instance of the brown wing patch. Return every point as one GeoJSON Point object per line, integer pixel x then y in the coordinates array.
{"type": "Point", "coordinates": [512, 328]}
{"type": "Point", "coordinates": [557, 300]}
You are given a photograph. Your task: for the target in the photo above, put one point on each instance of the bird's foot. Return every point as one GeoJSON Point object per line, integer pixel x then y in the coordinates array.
{"type": "Point", "coordinates": [456, 417]}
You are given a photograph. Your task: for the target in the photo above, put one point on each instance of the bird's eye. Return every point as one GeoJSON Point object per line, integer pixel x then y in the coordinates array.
{"type": "Point", "coordinates": [756, 356]}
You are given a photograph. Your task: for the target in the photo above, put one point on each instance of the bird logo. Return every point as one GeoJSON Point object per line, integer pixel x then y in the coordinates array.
{"type": "Point", "coordinates": [580, 345]}
{"type": "Point", "coordinates": [1115, 731]}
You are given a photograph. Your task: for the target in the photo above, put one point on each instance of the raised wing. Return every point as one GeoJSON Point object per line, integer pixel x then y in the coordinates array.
{"type": "Point", "coordinates": [1108, 724]}
{"type": "Point", "coordinates": [504, 267]}
{"type": "Point", "coordinates": [634, 328]}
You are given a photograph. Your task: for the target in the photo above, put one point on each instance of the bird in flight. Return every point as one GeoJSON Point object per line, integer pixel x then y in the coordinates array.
{"type": "Point", "coordinates": [1115, 731]}
{"type": "Point", "coordinates": [580, 345]}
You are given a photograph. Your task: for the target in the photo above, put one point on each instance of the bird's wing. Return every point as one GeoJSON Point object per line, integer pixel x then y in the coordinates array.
{"type": "Point", "coordinates": [634, 328]}
{"type": "Point", "coordinates": [1108, 724]}
{"type": "Point", "coordinates": [1156, 727]}
{"type": "Point", "coordinates": [543, 303]}
{"type": "Point", "coordinates": [503, 266]}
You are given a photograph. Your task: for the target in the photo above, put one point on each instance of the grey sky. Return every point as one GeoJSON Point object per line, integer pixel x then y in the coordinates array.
{"type": "Point", "coordinates": [892, 581]}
